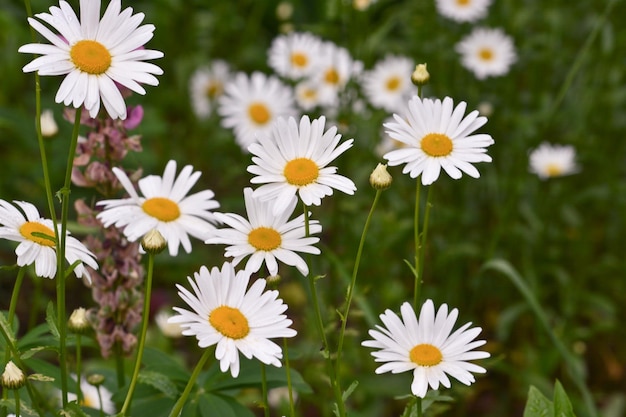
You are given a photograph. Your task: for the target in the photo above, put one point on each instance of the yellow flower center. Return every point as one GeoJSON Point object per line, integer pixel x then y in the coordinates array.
{"type": "Point", "coordinates": [38, 233]}
{"type": "Point", "coordinates": [161, 208]}
{"type": "Point", "coordinates": [265, 239]}
{"type": "Point", "coordinates": [89, 402]}
{"type": "Point", "coordinates": [436, 144]}
{"type": "Point", "coordinates": [259, 113]}
{"type": "Point", "coordinates": [393, 83]}
{"type": "Point", "coordinates": [214, 89]}
{"type": "Point", "coordinates": [91, 57]}
{"type": "Point", "coordinates": [309, 93]}
{"type": "Point", "coordinates": [230, 322]}
{"type": "Point", "coordinates": [332, 76]}
{"type": "Point", "coordinates": [485, 54]}
{"type": "Point", "coordinates": [425, 354]}
{"type": "Point", "coordinates": [301, 171]}
{"type": "Point", "coordinates": [463, 2]}
{"type": "Point", "coordinates": [554, 170]}
{"type": "Point", "coordinates": [299, 59]}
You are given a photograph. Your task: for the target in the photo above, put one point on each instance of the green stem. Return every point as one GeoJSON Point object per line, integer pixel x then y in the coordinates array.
{"type": "Point", "coordinates": [266, 406]}
{"type": "Point", "coordinates": [355, 270]}
{"type": "Point", "coordinates": [292, 411]}
{"type": "Point", "coordinates": [100, 399]}
{"type": "Point", "coordinates": [418, 406]}
{"type": "Point", "coordinates": [15, 295]}
{"type": "Point", "coordinates": [192, 380]}
{"type": "Point", "coordinates": [79, 391]}
{"type": "Point", "coordinates": [425, 232]}
{"type": "Point", "coordinates": [17, 401]}
{"type": "Point", "coordinates": [119, 364]}
{"type": "Point", "coordinates": [416, 227]}
{"type": "Point", "coordinates": [142, 337]}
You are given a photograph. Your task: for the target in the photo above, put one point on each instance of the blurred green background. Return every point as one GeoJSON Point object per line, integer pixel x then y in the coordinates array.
{"type": "Point", "coordinates": [566, 236]}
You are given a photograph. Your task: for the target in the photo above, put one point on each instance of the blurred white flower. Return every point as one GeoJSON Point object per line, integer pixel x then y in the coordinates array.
{"type": "Point", "coordinates": [547, 160]}
{"type": "Point", "coordinates": [487, 52]}
{"type": "Point", "coordinates": [206, 85]}
{"type": "Point", "coordinates": [49, 126]}
{"type": "Point", "coordinates": [388, 85]}
{"type": "Point", "coordinates": [91, 397]}
{"type": "Point", "coordinates": [463, 10]}
{"type": "Point", "coordinates": [295, 55]}
{"type": "Point", "coordinates": [168, 329]}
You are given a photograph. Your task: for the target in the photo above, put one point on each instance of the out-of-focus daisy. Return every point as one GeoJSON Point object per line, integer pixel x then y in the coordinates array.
{"type": "Point", "coordinates": [336, 68]}
{"type": "Point", "coordinates": [266, 237]}
{"type": "Point", "coordinates": [226, 313]}
{"type": "Point", "coordinates": [437, 135]}
{"type": "Point", "coordinates": [362, 4]}
{"type": "Point", "coordinates": [294, 55]}
{"type": "Point", "coordinates": [250, 105]}
{"type": "Point", "coordinates": [95, 54]}
{"type": "Point", "coordinates": [37, 243]}
{"type": "Point", "coordinates": [463, 10]}
{"type": "Point", "coordinates": [427, 347]}
{"type": "Point", "coordinates": [553, 160]}
{"type": "Point", "coordinates": [49, 126]}
{"type": "Point", "coordinates": [172, 330]}
{"type": "Point", "coordinates": [307, 94]}
{"type": "Point", "coordinates": [388, 85]}
{"type": "Point", "coordinates": [487, 52]}
{"type": "Point", "coordinates": [164, 206]}
{"type": "Point", "coordinates": [92, 399]}
{"type": "Point", "coordinates": [207, 85]}
{"type": "Point", "coordinates": [293, 160]}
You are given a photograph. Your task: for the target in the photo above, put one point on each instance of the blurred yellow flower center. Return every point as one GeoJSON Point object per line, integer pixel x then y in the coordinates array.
{"type": "Point", "coordinates": [299, 59]}
{"type": "Point", "coordinates": [38, 233]}
{"type": "Point", "coordinates": [214, 89]}
{"type": "Point", "coordinates": [90, 57]}
{"type": "Point", "coordinates": [393, 83]}
{"type": "Point", "coordinates": [264, 238]}
{"type": "Point", "coordinates": [161, 208]}
{"type": "Point", "coordinates": [301, 171]}
{"type": "Point", "coordinates": [332, 76]}
{"type": "Point", "coordinates": [463, 2]}
{"type": "Point", "coordinates": [425, 354]}
{"type": "Point", "coordinates": [309, 93]}
{"type": "Point", "coordinates": [259, 113]}
{"type": "Point", "coordinates": [230, 322]}
{"type": "Point", "coordinates": [89, 402]}
{"type": "Point", "coordinates": [436, 144]}
{"type": "Point", "coordinates": [554, 170]}
{"type": "Point", "coordinates": [485, 54]}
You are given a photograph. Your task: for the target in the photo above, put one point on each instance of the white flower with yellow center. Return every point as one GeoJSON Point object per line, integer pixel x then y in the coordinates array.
{"type": "Point", "coordinates": [463, 10]}
{"type": "Point", "coordinates": [207, 85]}
{"type": "Point", "coordinates": [37, 241]}
{"type": "Point", "coordinates": [266, 237]}
{"type": "Point", "coordinates": [293, 160]}
{"type": "Point", "coordinates": [336, 67]}
{"type": "Point", "coordinates": [294, 55]}
{"type": "Point", "coordinates": [250, 105]}
{"type": "Point", "coordinates": [487, 52]}
{"type": "Point", "coordinates": [92, 399]}
{"type": "Point", "coordinates": [437, 135]}
{"type": "Point", "coordinates": [549, 160]}
{"type": "Point", "coordinates": [307, 94]}
{"type": "Point", "coordinates": [427, 347]}
{"type": "Point", "coordinates": [95, 54]}
{"type": "Point", "coordinates": [164, 206]}
{"type": "Point", "coordinates": [236, 319]}
{"type": "Point", "coordinates": [388, 85]}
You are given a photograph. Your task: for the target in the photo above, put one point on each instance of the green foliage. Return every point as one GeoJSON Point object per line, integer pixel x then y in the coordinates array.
{"type": "Point", "coordinates": [538, 405]}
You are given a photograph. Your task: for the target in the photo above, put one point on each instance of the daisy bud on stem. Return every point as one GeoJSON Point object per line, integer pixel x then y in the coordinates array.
{"type": "Point", "coordinates": [420, 76]}
{"type": "Point", "coordinates": [153, 242]}
{"type": "Point", "coordinates": [380, 179]}
{"type": "Point", "coordinates": [13, 377]}
{"type": "Point", "coordinates": [78, 321]}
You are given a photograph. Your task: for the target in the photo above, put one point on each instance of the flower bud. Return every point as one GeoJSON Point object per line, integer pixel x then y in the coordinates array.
{"type": "Point", "coordinates": [13, 377]}
{"type": "Point", "coordinates": [420, 76]}
{"type": "Point", "coordinates": [153, 242]}
{"type": "Point", "coordinates": [48, 125]}
{"type": "Point", "coordinates": [95, 379]}
{"type": "Point", "coordinates": [380, 179]}
{"type": "Point", "coordinates": [78, 322]}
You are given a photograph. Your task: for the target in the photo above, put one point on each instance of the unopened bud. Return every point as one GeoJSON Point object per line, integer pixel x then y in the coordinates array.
{"type": "Point", "coordinates": [153, 242]}
{"type": "Point", "coordinates": [48, 125]}
{"type": "Point", "coordinates": [95, 379]}
{"type": "Point", "coordinates": [13, 377]}
{"type": "Point", "coordinates": [380, 179]}
{"type": "Point", "coordinates": [78, 322]}
{"type": "Point", "coordinates": [420, 76]}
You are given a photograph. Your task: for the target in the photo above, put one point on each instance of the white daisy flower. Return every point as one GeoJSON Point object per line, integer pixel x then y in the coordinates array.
{"type": "Point", "coordinates": [37, 243]}
{"type": "Point", "coordinates": [172, 330]}
{"type": "Point", "coordinates": [95, 54]}
{"type": "Point", "coordinates": [463, 10]}
{"type": "Point", "coordinates": [164, 206]}
{"type": "Point", "coordinates": [336, 68]}
{"type": "Point", "coordinates": [266, 237]}
{"type": "Point", "coordinates": [293, 160]}
{"type": "Point", "coordinates": [427, 347]}
{"type": "Point", "coordinates": [549, 161]}
{"type": "Point", "coordinates": [388, 85]}
{"type": "Point", "coordinates": [294, 55]}
{"type": "Point", "coordinates": [307, 94]}
{"type": "Point", "coordinates": [206, 85]}
{"type": "Point", "coordinates": [236, 319]}
{"type": "Point", "coordinates": [487, 52]}
{"type": "Point", "coordinates": [250, 105]}
{"type": "Point", "coordinates": [92, 399]}
{"type": "Point", "coordinates": [437, 135]}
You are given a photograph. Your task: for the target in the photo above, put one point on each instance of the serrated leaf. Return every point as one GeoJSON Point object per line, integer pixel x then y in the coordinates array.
{"type": "Point", "coordinates": [30, 352]}
{"type": "Point", "coordinates": [160, 382]}
{"type": "Point", "coordinates": [537, 405]}
{"type": "Point", "coordinates": [40, 377]}
{"type": "Point", "coordinates": [562, 404]}
{"type": "Point", "coordinates": [51, 319]}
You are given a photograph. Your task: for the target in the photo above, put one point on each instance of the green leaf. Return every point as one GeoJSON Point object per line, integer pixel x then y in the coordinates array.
{"type": "Point", "coordinates": [72, 409]}
{"type": "Point", "coordinates": [349, 391]}
{"type": "Point", "coordinates": [40, 378]}
{"type": "Point", "coordinates": [562, 404]}
{"type": "Point", "coordinates": [537, 405]}
{"type": "Point", "coordinates": [160, 382]}
{"type": "Point", "coordinates": [158, 361]}
{"type": "Point", "coordinates": [51, 319]}
{"type": "Point", "coordinates": [212, 405]}
{"type": "Point", "coordinates": [6, 327]}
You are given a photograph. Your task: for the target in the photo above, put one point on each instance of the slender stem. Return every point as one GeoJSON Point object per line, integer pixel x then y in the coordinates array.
{"type": "Point", "coordinates": [119, 364]}
{"type": "Point", "coordinates": [15, 294]}
{"type": "Point", "coordinates": [424, 232]}
{"type": "Point", "coordinates": [355, 270]}
{"type": "Point", "coordinates": [292, 411]}
{"type": "Point", "coordinates": [17, 401]}
{"type": "Point", "coordinates": [192, 380]}
{"type": "Point", "coordinates": [418, 406]}
{"type": "Point", "coordinates": [79, 391]}
{"type": "Point", "coordinates": [142, 336]}
{"type": "Point", "coordinates": [266, 405]}
{"type": "Point", "coordinates": [100, 399]}
{"type": "Point", "coordinates": [416, 227]}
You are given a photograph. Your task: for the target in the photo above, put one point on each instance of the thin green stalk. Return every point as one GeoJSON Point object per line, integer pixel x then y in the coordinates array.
{"type": "Point", "coordinates": [416, 228]}
{"type": "Point", "coordinates": [100, 399]}
{"type": "Point", "coordinates": [192, 380]}
{"type": "Point", "coordinates": [15, 295]}
{"type": "Point", "coordinates": [142, 336]}
{"type": "Point", "coordinates": [418, 406]}
{"type": "Point", "coordinates": [355, 270]}
{"type": "Point", "coordinates": [119, 364]}
{"type": "Point", "coordinates": [292, 411]}
{"type": "Point", "coordinates": [425, 231]}
{"type": "Point", "coordinates": [17, 401]}
{"type": "Point", "coordinates": [266, 405]}
{"type": "Point", "coordinates": [79, 391]}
